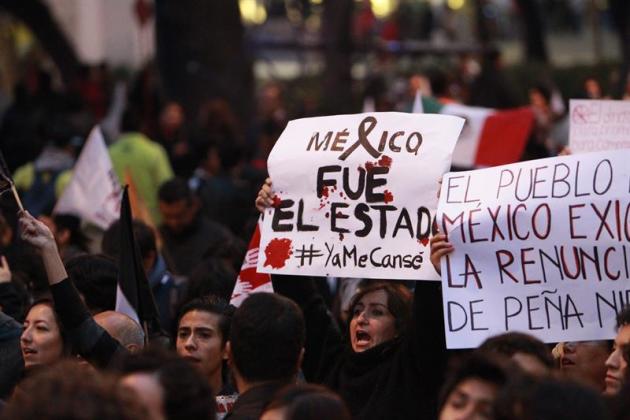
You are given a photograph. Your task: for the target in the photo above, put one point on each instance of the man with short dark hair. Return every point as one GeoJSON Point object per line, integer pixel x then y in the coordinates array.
{"type": "Point", "coordinates": [529, 353]}
{"type": "Point", "coordinates": [187, 235]}
{"type": "Point", "coordinates": [265, 350]}
{"type": "Point", "coordinates": [616, 364]}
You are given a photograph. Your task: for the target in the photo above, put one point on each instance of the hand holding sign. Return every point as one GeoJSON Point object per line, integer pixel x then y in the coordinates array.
{"type": "Point", "coordinates": [355, 195]}
{"type": "Point", "coordinates": [264, 198]}
{"type": "Point", "coordinates": [539, 247]}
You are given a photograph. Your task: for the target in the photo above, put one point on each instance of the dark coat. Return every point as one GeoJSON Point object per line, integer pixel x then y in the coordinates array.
{"type": "Point", "coordinates": [398, 379]}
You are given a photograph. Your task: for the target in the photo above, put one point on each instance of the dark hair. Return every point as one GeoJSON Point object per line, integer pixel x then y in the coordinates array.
{"type": "Point", "coordinates": [310, 402]}
{"type": "Point", "coordinates": [65, 339]}
{"type": "Point", "coordinates": [95, 276]}
{"type": "Point", "coordinates": [212, 276]}
{"type": "Point", "coordinates": [478, 365]}
{"type": "Point", "coordinates": [527, 398]}
{"type": "Point", "coordinates": [72, 224]}
{"type": "Point", "coordinates": [623, 317]}
{"type": "Point", "coordinates": [511, 343]}
{"type": "Point", "coordinates": [266, 338]}
{"type": "Point", "coordinates": [186, 393]}
{"type": "Point", "coordinates": [66, 391]}
{"type": "Point", "coordinates": [398, 302]}
{"type": "Point", "coordinates": [175, 190]}
{"type": "Point", "coordinates": [544, 91]}
{"type": "Point", "coordinates": [213, 304]}
{"type": "Point", "coordinates": [131, 120]}
{"type": "Point", "coordinates": [143, 234]}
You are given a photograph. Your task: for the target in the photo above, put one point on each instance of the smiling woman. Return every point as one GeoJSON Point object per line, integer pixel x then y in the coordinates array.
{"type": "Point", "coordinates": [43, 341]}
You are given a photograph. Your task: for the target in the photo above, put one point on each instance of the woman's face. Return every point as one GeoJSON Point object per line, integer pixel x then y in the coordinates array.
{"type": "Point", "coordinates": [470, 400]}
{"type": "Point", "coordinates": [371, 323]}
{"type": "Point", "coordinates": [41, 341]}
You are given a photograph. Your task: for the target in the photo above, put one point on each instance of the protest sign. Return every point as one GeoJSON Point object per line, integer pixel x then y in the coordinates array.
{"type": "Point", "coordinates": [541, 247]}
{"type": "Point", "coordinates": [355, 195]}
{"type": "Point", "coordinates": [598, 125]}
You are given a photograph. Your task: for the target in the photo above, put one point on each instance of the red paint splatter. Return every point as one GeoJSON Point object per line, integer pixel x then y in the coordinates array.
{"type": "Point", "coordinates": [276, 201]}
{"type": "Point", "coordinates": [341, 237]}
{"type": "Point", "coordinates": [327, 215]}
{"type": "Point", "coordinates": [340, 193]}
{"type": "Point", "coordinates": [339, 214]}
{"type": "Point", "coordinates": [385, 161]}
{"type": "Point", "coordinates": [322, 204]}
{"type": "Point", "coordinates": [423, 241]}
{"type": "Point", "coordinates": [278, 252]}
{"type": "Point", "coordinates": [324, 191]}
{"type": "Point", "coordinates": [388, 197]}
{"type": "Point", "coordinates": [369, 166]}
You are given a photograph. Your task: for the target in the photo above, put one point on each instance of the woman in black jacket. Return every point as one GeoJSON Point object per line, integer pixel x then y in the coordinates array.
{"type": "Point", "coordinates": [390, 362]}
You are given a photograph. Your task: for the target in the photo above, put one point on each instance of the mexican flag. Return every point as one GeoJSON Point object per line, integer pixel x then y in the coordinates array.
{"type": "Point", "coordinates": [490, 137]}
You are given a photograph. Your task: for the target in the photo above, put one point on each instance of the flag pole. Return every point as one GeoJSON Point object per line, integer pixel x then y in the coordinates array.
{"type": "Point", "coordinates": [145, 327]}
{"type": "Point", "coordinates": [17, 197]}
{"type": "Point", "coordinates": [6, 175]}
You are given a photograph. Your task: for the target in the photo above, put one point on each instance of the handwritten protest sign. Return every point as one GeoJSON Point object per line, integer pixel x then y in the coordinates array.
{"type": "Point", "coordinates": [599, 125]}
{"type": "Point", "coordinates": [355, 195]}
{"type": "Point", "coordinates": [541, 247]}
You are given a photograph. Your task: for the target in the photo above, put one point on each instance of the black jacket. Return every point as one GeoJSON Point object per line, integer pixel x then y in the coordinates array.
{"type": "Point", "coordinates": [399, 379]}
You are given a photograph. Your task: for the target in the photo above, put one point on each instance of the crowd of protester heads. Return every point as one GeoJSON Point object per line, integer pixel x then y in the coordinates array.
{"type": "Point", "coordinates": [316, 348]}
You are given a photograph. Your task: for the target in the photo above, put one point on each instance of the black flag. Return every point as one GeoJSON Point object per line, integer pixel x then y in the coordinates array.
{"type": "Point", "coordinates": [133, 296]}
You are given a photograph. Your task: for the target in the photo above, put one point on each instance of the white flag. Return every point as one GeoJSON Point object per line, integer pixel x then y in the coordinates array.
{"type": "Point", "coordinates": [418, 108]}
{"type": "Point", "coordinates": [368, 104]}
{"type": "Point", "coordinates": [94, 190]}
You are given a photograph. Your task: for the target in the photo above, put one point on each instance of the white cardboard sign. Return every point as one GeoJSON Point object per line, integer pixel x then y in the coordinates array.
{"type": "Point", "coordinates": [541, 247]}
{"type": "Point", "coordinates": [598, 125]}
{"type": "Point", "coordinates": [355, 195]}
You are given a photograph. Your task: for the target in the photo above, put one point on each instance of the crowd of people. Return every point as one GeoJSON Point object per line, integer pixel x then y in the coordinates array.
{"type": "Point", "coordinates": [315, 348]}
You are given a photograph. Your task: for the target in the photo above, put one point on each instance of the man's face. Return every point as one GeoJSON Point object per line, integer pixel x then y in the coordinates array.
{"type": "Point", "coordinates": [199, 341]}
{"type": "Point", "coordinates": [616, 365]}
{"type": "Point", "coordinates": [470, 400]}
{"type": "Point", "coordinates": [585, 361]}
{"type": "Point", "coordinates": [178, 215]}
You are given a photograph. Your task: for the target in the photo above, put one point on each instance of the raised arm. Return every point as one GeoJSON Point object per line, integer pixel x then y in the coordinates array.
{"type": "Point", "coordinates": [89, 339]}
{"type": "Point", "coordinates": [324, 342]}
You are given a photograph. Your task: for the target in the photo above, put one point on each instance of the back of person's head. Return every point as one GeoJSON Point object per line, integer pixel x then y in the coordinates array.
{"type": "Point", "coordinates": [130, 120]}
{"type": "Point", "coordinates": [95, 277]}
{"type": "Point", "coordinates": [306, 402]}
{"type": "Point", "coordinates": [212, 276]}
{"type": "Point", "coordinates": [143, 234]}
{"type": "Point", "coordinates": [527, 398]}
{"type": "Point", "coordinates": [531, 354]}
{"type": "Point", "coordinates": [489, 369]}
{"type": "Point", "coordinates": [399, 300]}
{"type": "Point", "coordinates": [124, 329]}
{"type": "Point", "coordinates": [175, 190]}
{"type": "Point", "coordinates": [72, 224]}
{"type": "Point", "coordinates": [266, 338]}
{"type": "Point", "coordinates": [186, 393]}
{"type": "Point", "coordinates": [213, 304]}
{"type": "Point", "coordinates": [67, 391]}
